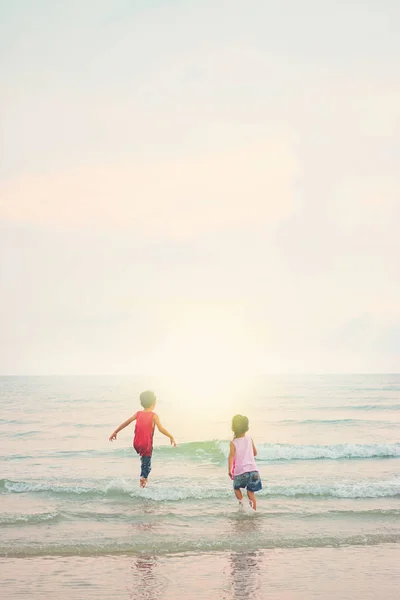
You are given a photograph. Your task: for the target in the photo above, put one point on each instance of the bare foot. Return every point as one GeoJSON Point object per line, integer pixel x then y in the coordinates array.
{"type": "Point", "coordinates": [143, 482]}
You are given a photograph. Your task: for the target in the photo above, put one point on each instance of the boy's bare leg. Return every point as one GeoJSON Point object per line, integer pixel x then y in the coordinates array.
{"type": "Point", "coordinates": [252, 499]}
{"type": "Point", "coordinates": [145, 462]}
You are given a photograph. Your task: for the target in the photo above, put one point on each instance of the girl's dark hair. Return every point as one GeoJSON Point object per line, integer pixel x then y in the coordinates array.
{"type": "Point", "coordinates": [240, 425]}
{"type": "Point", "coordinates": [147, 399]}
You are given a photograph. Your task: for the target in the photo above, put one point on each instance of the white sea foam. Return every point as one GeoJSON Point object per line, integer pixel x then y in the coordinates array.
{"type": "Point", "coordinates": [268, 452]}
{"type": "Point", "coordinates": [191, 491]}
{"type": "Point", "coordinates": [167, 545]}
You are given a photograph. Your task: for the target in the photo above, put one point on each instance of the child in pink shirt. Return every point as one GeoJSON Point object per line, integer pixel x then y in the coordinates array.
{"type": "Point", "coordinates": [242, 466]}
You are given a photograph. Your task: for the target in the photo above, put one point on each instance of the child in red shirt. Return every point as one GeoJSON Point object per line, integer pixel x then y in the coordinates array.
{"type": "Point", "coordinates": [146, 421]}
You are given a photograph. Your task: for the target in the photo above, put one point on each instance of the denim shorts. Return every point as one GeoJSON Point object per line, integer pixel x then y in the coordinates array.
{"type": "Point", "coordinates": [251, 481]}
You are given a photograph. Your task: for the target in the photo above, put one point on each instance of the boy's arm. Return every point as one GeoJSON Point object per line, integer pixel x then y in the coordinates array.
{"type": "Point", "coordinates": [254, 449]}
{"type": "Point", "coordinates": [113, 436]}
{"type": "Point", "coordinates": [232, 452]}
{"type": "Point", "coordinates": [164, 431]}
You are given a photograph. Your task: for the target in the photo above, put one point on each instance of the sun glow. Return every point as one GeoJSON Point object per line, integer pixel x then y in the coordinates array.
{"type": "Point", "coordinates": [207, 363]}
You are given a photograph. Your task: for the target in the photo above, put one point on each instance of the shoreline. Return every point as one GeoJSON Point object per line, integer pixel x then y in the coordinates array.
{"type": "Point", "coordinates": [292, 573]}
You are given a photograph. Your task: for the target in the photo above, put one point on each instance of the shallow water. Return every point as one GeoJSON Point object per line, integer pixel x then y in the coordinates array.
{"type": "Point", "coordinates": [328, 454]}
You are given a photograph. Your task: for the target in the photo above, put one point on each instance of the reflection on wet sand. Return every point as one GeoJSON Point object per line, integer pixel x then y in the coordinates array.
{"type": "Point", "coordinates": [244, 567]}
{"type": "Point", "coordinates": [245, 575]}
{"type": "Point", "coordinates": [147, 585]}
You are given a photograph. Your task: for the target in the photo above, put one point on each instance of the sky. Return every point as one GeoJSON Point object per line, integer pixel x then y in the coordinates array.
{"type": "Point", "coordinates": [202, 188]}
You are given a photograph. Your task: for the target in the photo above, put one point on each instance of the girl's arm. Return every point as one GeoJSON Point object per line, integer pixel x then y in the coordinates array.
{"type": "Point", "coordinates": [113, 436]}
{"type": "Point", "coordinates": [162, 430]}
{"type": "Point", "coordinates": [254, 449]}
{"type": "Point", "coordinates": [231, 458]}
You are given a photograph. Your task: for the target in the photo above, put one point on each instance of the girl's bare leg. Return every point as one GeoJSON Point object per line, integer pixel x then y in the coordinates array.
{"type": "Point", "coordinates": [252, 499]}
{"type": "Point", "coordinates": [239, 496]}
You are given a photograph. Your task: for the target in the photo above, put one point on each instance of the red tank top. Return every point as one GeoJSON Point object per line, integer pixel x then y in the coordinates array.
{"type": "Point", "coordinates": [144, 431]}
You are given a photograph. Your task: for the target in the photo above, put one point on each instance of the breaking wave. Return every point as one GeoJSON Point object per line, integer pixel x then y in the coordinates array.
{"type": "Point", "coordinates": [190, 491]}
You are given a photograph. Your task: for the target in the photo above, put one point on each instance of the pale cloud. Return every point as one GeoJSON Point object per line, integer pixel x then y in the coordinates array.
{"type": "Point", "coordinates": [247, 187]}
{"type": "Point", "coordinates": [187, 182]}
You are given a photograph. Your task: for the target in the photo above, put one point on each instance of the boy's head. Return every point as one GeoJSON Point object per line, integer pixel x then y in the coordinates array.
{"type": "Point", "coordinates": [148, 399]}
{"type": "Point", "coordinates": [240, 425]}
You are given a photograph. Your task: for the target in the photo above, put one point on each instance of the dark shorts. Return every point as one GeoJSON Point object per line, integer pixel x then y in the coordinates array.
{"type": "Point", "coordinates": [251, 481]}
{"type": "Point", "coordinates": [145, 466]}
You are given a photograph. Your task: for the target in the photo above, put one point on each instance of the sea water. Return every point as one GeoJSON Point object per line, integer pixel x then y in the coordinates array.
{"type": "Point", "coordinates": [328, 455]}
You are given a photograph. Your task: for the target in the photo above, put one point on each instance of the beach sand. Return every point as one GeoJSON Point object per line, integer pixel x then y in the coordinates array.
{"type": "Point", "coordinates": [346, 573]}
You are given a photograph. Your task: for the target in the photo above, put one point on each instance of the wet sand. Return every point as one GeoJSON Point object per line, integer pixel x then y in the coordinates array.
{"type": "Point", "coordinates": [347, 573]}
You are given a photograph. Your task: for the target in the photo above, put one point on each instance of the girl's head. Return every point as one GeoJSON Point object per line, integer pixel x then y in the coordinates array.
{"type": "Point", "coordinates": [240, 425]}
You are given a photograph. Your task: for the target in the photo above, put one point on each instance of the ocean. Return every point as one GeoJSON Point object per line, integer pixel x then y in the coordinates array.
{"type": "Point", "coordinates": [75, 524]}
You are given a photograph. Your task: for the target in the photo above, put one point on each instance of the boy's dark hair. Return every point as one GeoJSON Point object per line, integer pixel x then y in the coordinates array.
{"type": "Point", "coordinates": [240, 425]}
{"type": "Point", "coordinates": [147, 399]}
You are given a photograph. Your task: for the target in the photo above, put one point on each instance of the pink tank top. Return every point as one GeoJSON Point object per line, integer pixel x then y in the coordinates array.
{"type": "Point", "coordinates": [244, 457]}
